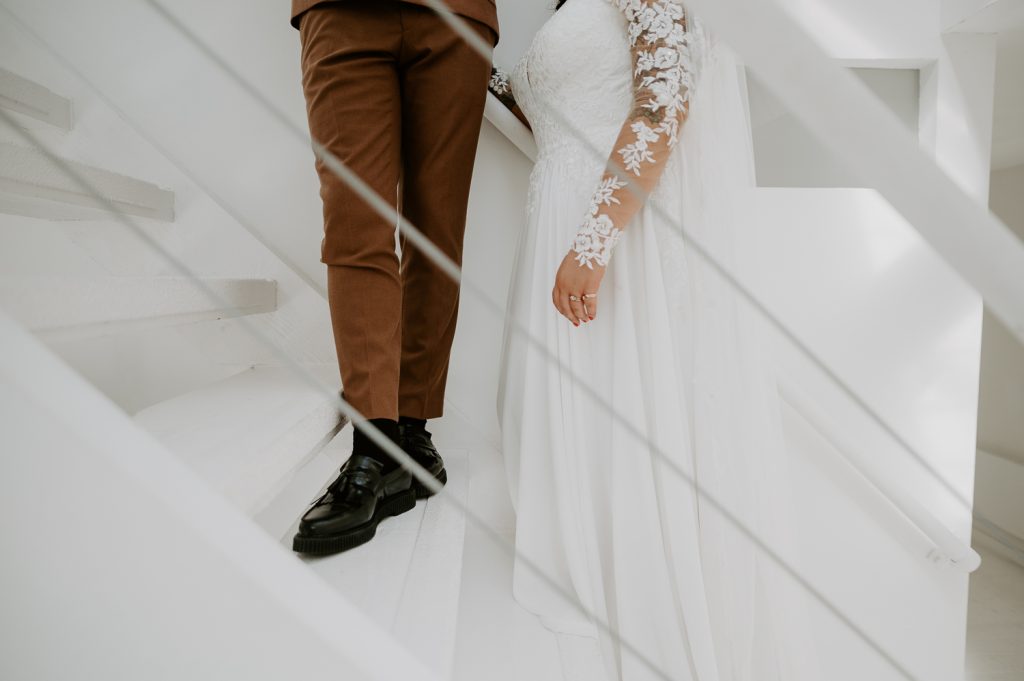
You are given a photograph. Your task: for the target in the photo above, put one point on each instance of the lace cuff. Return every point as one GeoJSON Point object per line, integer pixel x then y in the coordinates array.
{"type": "Point", "coordinates": [598, 234]}
{"type": "Point", "coordinates": [501, 87]}
{"type": "Point", "coordinates": [663, 76]}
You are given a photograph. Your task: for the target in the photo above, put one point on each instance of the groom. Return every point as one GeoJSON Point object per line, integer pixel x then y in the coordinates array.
{"type": "Point", "coordinates": [396, 95]}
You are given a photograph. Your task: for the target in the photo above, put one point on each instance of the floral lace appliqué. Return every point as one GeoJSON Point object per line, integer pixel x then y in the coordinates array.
{"type": "Point", "coordinates": [663, 76]}
{"type": "Point", "coordinates": [598, 235]}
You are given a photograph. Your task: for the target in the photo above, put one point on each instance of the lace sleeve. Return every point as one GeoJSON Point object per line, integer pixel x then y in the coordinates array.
{"type": "Point", "coordinates": [501, 88]}
{"type": "Point", "coordinates": [662, 80]}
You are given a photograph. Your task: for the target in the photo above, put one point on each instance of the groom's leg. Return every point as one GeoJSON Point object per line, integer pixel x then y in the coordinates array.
{"type": "Point", "coordinates": [351, 85]}
{"type": "Point", "coordinates": [444, 87]}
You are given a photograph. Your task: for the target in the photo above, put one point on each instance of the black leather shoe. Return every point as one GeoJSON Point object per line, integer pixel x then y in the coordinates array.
{"type": "Point", "coordinates": [416, 442]}
{"type": "Point", "coordinates": [347, 514]}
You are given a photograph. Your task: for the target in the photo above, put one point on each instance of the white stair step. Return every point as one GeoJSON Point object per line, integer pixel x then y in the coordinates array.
{"type": "Point", "coordinates": [144, 542]}
{"type": "Point", "coordinates": [408, 578]}
{"type": "Point", "coordinates": [249, 433]}
{"type": "Point", "coordinates": [98, 305]}
{"type": "Point", "coordinates": [29, 99]}
{"type": "Point", "coordinates": [33, 184]}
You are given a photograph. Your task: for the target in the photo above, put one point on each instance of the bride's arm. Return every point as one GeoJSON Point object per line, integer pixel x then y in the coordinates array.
{"type": "Point", "coordinates": [501, 88]}
{"type": "Point", "coordinates": [662, 81]}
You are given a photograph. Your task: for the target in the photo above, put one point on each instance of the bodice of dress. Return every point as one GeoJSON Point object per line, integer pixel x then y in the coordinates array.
{"type": "Point", "coordinates": [574, 80]}
{"type": "Point", "coordinates": [605, 84]}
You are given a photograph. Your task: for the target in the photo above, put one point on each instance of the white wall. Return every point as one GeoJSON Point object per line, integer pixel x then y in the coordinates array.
{"type": "Point", "coordinates": [788, 155]}
{"type": "Point", "coordinates": [518, 21]}
{"type": "Point", "coordinates": [1000, 424]}
{"type": "Point", "coordinates": [1008, 121]}
{"type": "Point", "coordinates": [873, 32]}
{"type": "Point", "coordinates": [857, 284]}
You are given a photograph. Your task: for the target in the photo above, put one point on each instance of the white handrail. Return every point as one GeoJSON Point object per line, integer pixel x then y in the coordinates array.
{"type": "Point", "coordinates": [947, 546]}
{"type": "Point", "coordinates": [510, 126]}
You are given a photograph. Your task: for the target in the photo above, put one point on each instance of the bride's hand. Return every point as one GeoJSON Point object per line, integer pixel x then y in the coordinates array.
{"type": "Point", "coordinates": [574, 280]}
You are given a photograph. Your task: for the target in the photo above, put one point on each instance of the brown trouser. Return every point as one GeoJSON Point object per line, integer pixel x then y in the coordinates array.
{"type": "Point", "coordinates": [397, 96]}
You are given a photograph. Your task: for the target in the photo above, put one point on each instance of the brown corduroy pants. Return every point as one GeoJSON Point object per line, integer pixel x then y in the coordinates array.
{"type": "Point", "coordinates": [398, 97]}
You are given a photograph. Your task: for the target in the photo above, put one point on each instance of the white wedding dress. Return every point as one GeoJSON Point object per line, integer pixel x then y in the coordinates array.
{"type": "Point", "coordinates": [613, 522]}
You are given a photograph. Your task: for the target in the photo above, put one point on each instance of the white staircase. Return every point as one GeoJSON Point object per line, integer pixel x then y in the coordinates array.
{"type": "Point", "coordinates": [185, 512]}
{"type": "Point", "coordinates": [269, 443]}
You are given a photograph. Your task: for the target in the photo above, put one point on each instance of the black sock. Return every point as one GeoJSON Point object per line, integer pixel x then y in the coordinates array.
{"type": "Point", "coordinates": [410, 421]}
{"type": "Point", "coordinates": [362, 444]}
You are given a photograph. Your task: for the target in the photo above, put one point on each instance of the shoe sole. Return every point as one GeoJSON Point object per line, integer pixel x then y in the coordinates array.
{"type": "Point", "coordinates": [396, 504]}
{"type": "Point", "coordinates": [421, 490]}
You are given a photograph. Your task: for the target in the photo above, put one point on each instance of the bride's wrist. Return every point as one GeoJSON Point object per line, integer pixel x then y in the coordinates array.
{"type": "Point", "coordinates": [594, 241]}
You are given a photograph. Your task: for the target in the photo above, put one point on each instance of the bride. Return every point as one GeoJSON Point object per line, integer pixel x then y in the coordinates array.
{"type": "Point", "coordinates": [639, 445]}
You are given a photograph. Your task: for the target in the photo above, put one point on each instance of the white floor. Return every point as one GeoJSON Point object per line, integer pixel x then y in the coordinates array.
{"type": "Point", "coordinates": [995, 619]}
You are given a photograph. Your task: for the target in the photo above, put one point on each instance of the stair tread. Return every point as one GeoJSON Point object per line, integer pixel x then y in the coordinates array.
{"type": "Point", "coordinates": [246, 433]}
{"type": "Point", "coordinates": [28, 172]}
{"type": "Point", "coordinates": [34, 100]}
{"type": "Point", "coordinates": [80, 304]}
